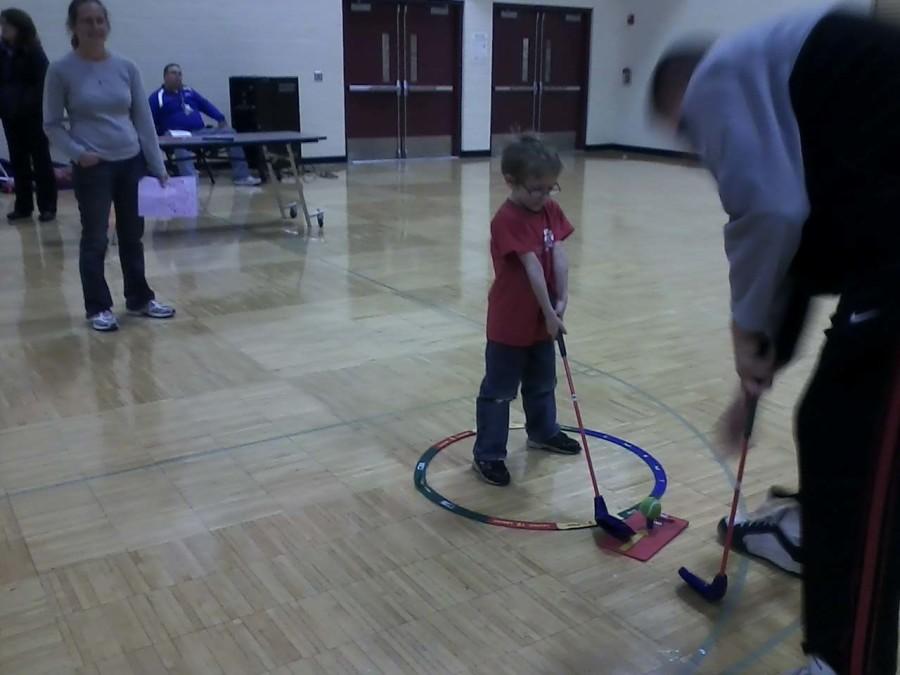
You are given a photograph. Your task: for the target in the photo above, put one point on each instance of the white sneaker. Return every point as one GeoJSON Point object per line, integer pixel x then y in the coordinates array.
{"type": "Point", "coordinates": [771, 533]}
{"type": "Point", "coordinates": [154, 310]}
{"type": "Point", "coordinates": [105, 321]}
{"type": "Point", "coordinates": [249, 181]}
{"type": "Point", "coordinates": [815, 667]}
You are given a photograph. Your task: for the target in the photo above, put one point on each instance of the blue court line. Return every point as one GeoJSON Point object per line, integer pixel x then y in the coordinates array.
{"type": "Point", "coordinates": [770, 644]}
{"type": "Point", "coordinates": [212, 452]}
{"type": "Point", "coordinates": [736, 584]}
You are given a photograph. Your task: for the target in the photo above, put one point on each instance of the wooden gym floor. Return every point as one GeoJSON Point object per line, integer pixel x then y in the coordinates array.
{"type": "Point", "coordinates": [231, 491]}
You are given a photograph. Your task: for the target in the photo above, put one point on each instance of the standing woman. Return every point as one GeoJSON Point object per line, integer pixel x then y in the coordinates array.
{"type": "Point", "coordinates": [110, 138]}
{"type": "Point", "coordinates": [23, 66]}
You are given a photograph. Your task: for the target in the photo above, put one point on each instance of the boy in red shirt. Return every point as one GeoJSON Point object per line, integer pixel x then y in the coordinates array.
{"type": "Point", "coordinates": [525, 310]}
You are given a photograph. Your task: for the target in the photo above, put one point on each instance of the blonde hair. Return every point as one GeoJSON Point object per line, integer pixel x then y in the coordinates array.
{"type": "Point", "coordinates": [528, 157]}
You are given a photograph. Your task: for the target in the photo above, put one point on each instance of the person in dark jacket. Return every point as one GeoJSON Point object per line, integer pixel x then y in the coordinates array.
{"type": "Point", "coordinates": [796, 119]}
{"type": "Point", "coordinates": [23, 66]}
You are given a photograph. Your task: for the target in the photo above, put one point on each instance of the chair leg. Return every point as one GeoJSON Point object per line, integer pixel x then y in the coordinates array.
{"type": "Point", "coordinates": [201, 157]}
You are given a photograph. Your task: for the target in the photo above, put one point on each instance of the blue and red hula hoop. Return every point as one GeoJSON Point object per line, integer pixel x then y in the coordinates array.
{"type": "Point", "coordinates": [421, 482]}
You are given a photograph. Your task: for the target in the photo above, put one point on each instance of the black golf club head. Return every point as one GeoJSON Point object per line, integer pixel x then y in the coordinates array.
{"type": "Point", "coordinates": [613, 526]}
{"type": "Point", "coordinates": [711, 592]}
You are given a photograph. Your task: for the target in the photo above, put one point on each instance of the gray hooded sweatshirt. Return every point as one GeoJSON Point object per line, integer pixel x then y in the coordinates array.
{"type": "Point", "coordinates": [737, 114]}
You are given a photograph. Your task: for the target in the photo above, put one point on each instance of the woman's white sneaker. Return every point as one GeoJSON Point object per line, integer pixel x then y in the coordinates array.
{"type": "Point", "coordinates": [104, 321]}
{"type": "Point", "coordinates": [154, 310]}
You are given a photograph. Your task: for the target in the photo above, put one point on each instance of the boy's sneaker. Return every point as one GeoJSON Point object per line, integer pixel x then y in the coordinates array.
{"type": "Point", "coordinates": [772, 533]}
{"type": "Point", "coordinates": [560, 444]}
{"type": "Point", "coordinates": [104, 321]}
{"type": "Point", "coordinates": [154, 310]}
{"type": "Point", "coordinates": [815, 667]}
{"type": "Point", "coordinates": [247, 181]}
{"type": "Point", "coordinates": [493, 472]}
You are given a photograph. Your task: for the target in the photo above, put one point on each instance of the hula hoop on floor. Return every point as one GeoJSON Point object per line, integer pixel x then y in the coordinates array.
{"type": "Point", "coordinates": [421, 481]}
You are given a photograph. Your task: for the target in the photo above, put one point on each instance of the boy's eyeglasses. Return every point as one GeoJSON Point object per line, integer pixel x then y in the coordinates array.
{"type": "Point", "coordinates": [542, 192]}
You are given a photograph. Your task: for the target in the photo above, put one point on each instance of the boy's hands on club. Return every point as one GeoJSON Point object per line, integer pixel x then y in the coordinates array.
{"type": "Point", "coordinates": [561, 306]}
{"type": "Point", "coordinates": [555, 325]}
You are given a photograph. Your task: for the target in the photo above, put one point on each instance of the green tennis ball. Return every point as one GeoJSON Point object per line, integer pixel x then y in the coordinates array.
{"type": "Point", "coordinates": [650, 508]}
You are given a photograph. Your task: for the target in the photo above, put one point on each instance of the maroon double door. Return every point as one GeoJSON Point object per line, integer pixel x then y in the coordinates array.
{"type": "Point", "coordinates": [402, 66]}
{"type": "Point", "coordinates": [540, 73]}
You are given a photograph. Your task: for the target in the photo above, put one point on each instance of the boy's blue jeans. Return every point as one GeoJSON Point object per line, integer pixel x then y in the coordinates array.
{"type": "Point", "coordinates": [505, 369]}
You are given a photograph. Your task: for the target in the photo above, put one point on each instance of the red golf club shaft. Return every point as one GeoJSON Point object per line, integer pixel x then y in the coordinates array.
{"type": "Point", "coordinates": [745, 445]}
{"type": "Point", "coordinates": [587, 451]}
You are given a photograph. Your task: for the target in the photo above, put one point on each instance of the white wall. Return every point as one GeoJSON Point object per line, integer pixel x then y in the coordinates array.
{"type": "Point", "coordinates": [616, 112]}
{"type": "Point", "coordinates": [214, 39]}
{"type": "Point", "coordinates": [606, 43]}
{"type": "Point", "coordinates": [658, 25]}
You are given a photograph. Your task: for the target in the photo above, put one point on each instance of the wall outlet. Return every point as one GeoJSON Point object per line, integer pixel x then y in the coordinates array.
{"type": "Point", "coordinates": [318, 76]}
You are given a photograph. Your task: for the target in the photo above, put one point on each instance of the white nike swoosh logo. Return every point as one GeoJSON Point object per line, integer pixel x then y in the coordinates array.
{"type": "Point", "coordinates": [860, 317]}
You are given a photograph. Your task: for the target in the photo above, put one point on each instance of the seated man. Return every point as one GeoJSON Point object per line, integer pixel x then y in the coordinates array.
{"type": "Point", "coordinates": [178, 108]}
